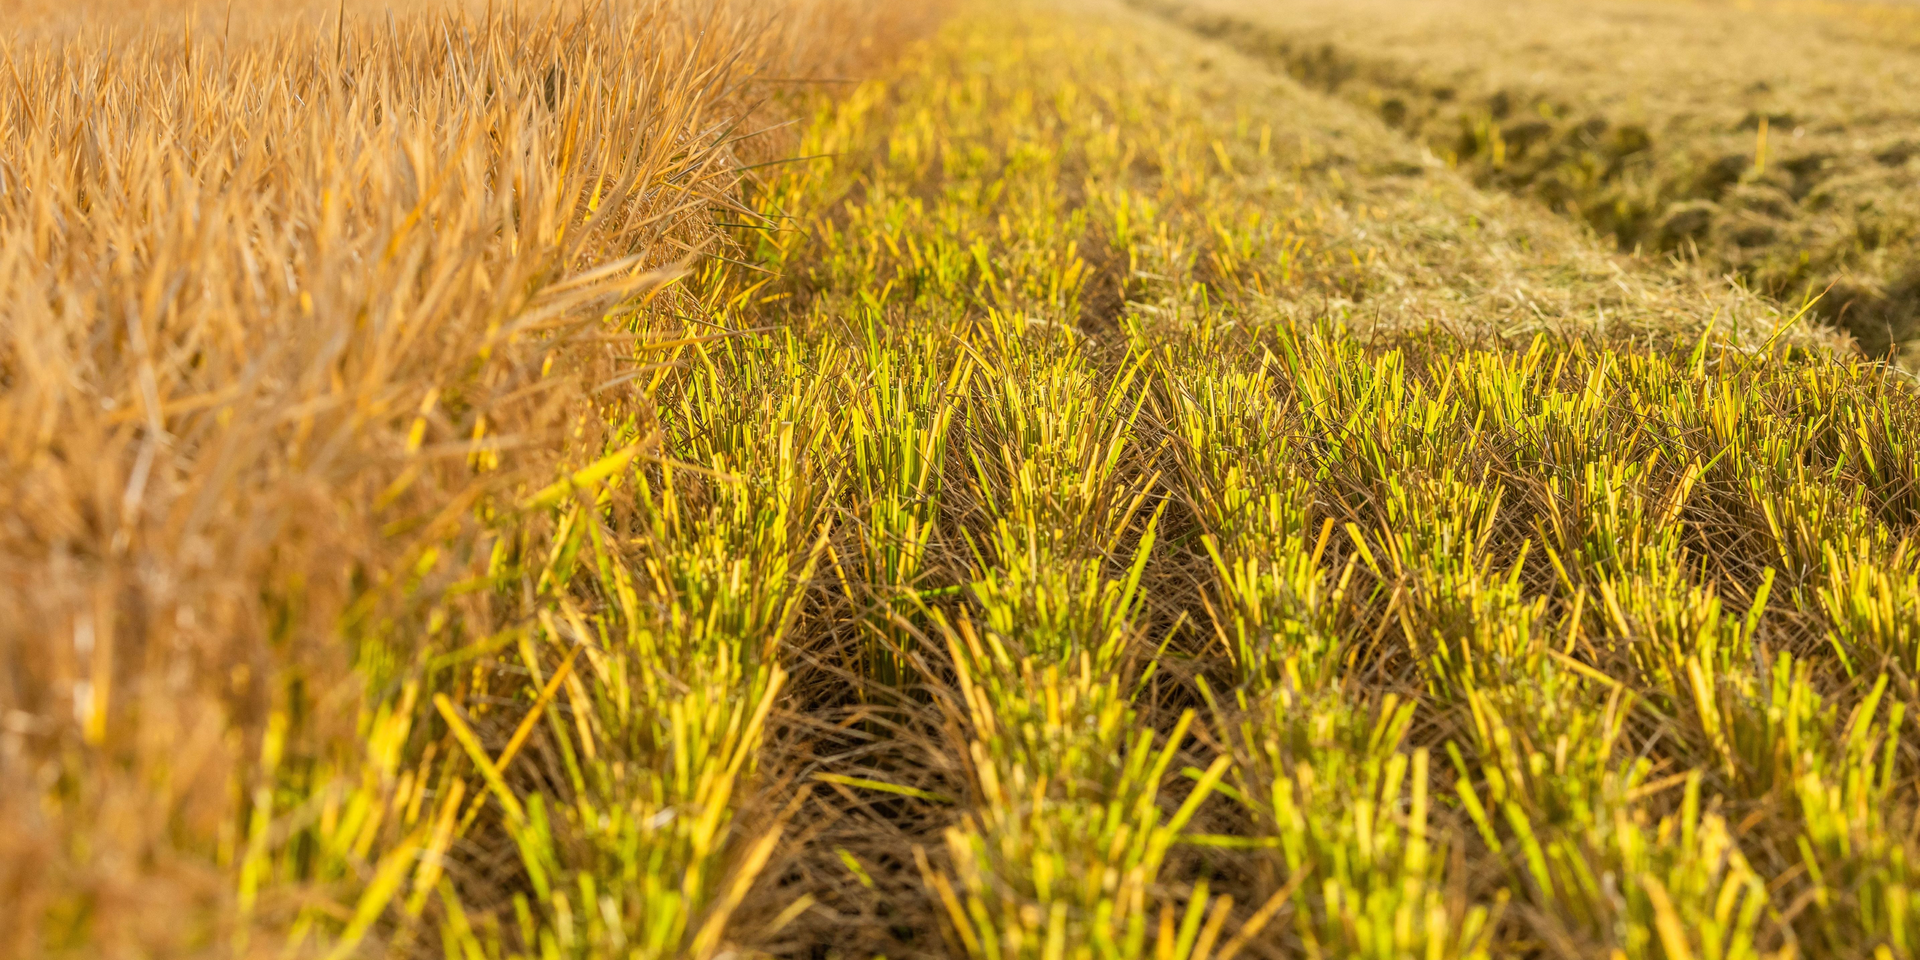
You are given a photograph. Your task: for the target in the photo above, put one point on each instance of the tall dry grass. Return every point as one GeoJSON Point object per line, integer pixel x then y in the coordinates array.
{"type": "Point", "coordinates": [297, 309]}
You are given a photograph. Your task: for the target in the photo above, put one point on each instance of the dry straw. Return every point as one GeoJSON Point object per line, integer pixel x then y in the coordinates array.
{"type": "Point", "coordinates": [301, 316]}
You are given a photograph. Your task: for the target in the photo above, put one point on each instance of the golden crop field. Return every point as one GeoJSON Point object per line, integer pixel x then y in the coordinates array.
{"type": "Point", "coordinates": [1775, 140]}
{"type": "Point", "coordinates": [1172, 479]}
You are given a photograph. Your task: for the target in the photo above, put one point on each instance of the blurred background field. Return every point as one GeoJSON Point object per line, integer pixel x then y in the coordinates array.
{"type": "Point", "coordinates": [1773, 140]}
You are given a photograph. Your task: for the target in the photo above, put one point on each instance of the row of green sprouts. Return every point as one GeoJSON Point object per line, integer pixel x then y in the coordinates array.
{"type": "Point", "coordinates": [1145, 627]}
{"type": "Point", "coordinates": [1666, 725]}
{"type": "Point", "coordinates": [1488, 650]}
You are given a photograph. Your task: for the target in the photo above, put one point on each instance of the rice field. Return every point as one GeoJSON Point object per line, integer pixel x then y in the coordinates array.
{"type": "Point", "coordinates": [1773, 140]}
{"type": "Point", "coordinates": [834, 480]}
